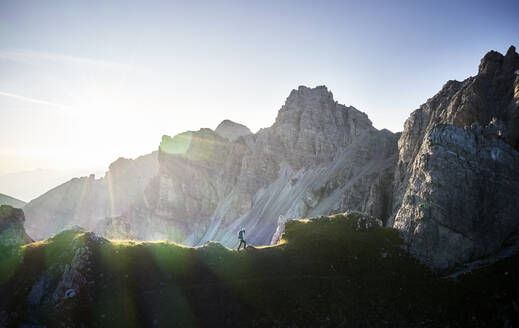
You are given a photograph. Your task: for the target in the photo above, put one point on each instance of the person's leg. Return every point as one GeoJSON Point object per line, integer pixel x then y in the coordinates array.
{"type": "Point", "coordinates": [239, 245]}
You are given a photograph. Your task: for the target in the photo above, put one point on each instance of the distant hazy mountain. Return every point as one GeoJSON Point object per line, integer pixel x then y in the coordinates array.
{"type": "Point", "coordinates": [27, 185]}
{"type": "Point", "coordinates": [85, 201]}
{"type": "Point", "coordinates": [11, 201]}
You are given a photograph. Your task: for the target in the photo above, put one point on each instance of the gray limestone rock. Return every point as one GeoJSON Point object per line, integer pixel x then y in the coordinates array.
{"type": "Point", "coordinates": [461, 201]}
{"type": "Point", "coordinates": [12, 232]}
{"type": "Point", "coordinates": [456, 189]}
{"type": "Point", "coordinates": [231, 130]}
{"type": "Point", "coordinates": [319, 157]}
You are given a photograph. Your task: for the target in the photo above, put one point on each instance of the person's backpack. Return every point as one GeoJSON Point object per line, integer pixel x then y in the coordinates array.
{"type": "Point", "coordinates": [240, 234]}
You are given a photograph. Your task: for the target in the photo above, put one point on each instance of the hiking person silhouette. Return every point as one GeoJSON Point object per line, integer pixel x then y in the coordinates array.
{"type": "Point", "coordinates": [241, 237]}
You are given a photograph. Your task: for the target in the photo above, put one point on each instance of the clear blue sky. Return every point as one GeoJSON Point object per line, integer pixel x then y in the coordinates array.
{"type": "Point", "coordinates": [82, 83]}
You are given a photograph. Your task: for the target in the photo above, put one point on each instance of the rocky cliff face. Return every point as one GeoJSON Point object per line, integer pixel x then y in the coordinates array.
{"type": "Point", "coordinates": [319, 157]}
{"type": "Point", "coordinates": [311, 128]}
{"type": "Point", "coordinates": [12, 232]}
{"type": "Point", "coordinates": [456, 183]}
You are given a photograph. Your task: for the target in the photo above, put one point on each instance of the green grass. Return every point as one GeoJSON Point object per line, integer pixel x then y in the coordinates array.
{"type": "Point", "coordinates": [324, 273]}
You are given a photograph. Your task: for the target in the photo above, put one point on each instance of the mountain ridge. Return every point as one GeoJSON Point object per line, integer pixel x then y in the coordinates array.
{"type": "Point", "coordinates": [231, 130]}
{"type": "Point", "coordinates": [321, 157]}
{"type": "Point", "coordinates": [332, 269]}
{"type": "Point", "coordinates": [310, 130]}
{"type": "Point", "coordinates": [11, 201]}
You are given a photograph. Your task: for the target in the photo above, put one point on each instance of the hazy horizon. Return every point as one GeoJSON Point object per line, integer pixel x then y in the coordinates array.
{"type": "Point", "coordinates": [85, 83]}
{"type": "Point", "coordinates": [28, 185]}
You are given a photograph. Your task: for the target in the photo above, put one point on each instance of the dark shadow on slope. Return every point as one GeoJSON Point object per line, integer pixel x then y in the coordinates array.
{"type": "Point", "coordinates": [327, 272]}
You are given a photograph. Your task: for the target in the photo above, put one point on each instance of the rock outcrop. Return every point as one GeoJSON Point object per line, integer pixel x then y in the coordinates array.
{"type": "Point", "coordinates": [11, 201]}
{"type": "Point", "coordinates": [456, 184]}
{"type": "Point", "coordinates": [12, 232]}
{"type": "Point", "coordinates": [65, 279]}
{"type": "Point", "coordinates": [231, 130]}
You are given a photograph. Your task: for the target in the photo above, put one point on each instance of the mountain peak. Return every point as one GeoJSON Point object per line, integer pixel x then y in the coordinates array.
{"type": "Point", "coordinates": [494, 62]}
{"type": "Point", "coordinates": [11, 201]}
{"type": "Point", "coordinates": [319, 88]}
{"type": "Point", "coordinates": [317, 94]}
{"type": "Point", "coordinates": [231, 130]}
{"type": "Point", "coordinates": [511, 51]}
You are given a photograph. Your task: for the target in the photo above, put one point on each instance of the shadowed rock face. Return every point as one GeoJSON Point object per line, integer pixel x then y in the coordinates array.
{"type": "Point", "coordinates": [12, 232]}
{"type": "Point", "coordinates": [456, 182]}
{"type": "Point", "coordinates": [345, 262]}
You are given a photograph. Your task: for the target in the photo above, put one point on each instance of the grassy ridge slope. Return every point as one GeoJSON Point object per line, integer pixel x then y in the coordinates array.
{"type": "Point", "coordinates": [327, 272]}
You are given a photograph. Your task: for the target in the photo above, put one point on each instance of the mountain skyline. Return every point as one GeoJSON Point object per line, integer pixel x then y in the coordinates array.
{"type": "Point", "coordinates": [320, 157]}
{"type": "Point", "coordinates": [82, 90]}
{"type": "Point", "coordinates": [27, 185]}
